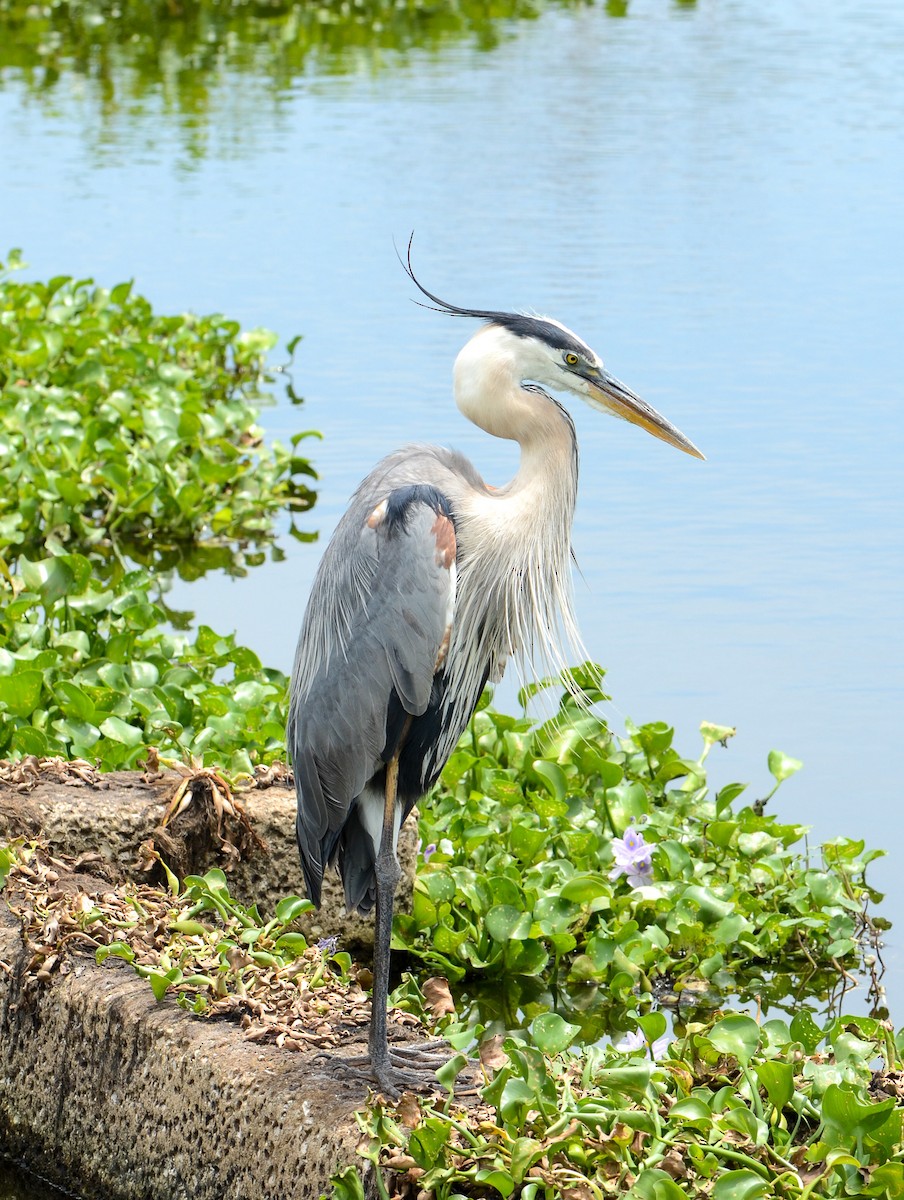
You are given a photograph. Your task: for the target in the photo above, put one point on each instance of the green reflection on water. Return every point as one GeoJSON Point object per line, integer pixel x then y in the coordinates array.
{"type": "Point", "coordinates": [177, 46]}
{"type": "Point", "coordinates": [191, 62]}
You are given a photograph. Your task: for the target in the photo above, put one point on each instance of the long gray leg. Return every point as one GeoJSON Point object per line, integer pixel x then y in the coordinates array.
{"type": "Point", "coordinates": [387, 873]}
{"type": "Point", "coordinates": [402, 1066]}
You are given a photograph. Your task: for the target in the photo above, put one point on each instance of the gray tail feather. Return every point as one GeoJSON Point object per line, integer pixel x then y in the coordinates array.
{"type": "Point", "coordinates": [355, 852]}
{"type": "Point", "coordinates": [312, 868]}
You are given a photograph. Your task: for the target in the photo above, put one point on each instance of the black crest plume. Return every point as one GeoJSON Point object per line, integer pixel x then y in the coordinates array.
{"type": "Point", "coordinates": [519, 324]}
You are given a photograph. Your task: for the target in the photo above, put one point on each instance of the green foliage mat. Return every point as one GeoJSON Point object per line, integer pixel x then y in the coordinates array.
{"type": "Point", "coordinates": [126, 432]}
{"type": "Point", "coordinates": [524, 835]}
{"type": "Point", "coordinates": [731, 1110]}
{"type": "Point", "coordinates": [129, 445]}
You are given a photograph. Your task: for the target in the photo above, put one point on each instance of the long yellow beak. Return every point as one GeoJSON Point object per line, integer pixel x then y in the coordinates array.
{"type": "Point", "coordinates": [614, 397]}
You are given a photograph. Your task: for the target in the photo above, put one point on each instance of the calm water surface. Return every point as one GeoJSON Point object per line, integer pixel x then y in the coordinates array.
{"type": "Point", "coordinates": [710, 195]}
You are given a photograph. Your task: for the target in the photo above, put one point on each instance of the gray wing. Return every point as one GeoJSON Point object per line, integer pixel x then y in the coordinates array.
{"type": "Point", "coordinates": [365, 652]}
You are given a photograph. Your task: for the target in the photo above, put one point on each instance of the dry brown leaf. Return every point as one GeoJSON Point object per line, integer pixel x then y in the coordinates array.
{"type": "Point", "coordinates": [673, 1164]}
{"type": "Point", "coordinates": [409, 1110]}
{"type": "Point", "coordinates": [492, 1056]}
{"type": "Point", "coordinates": [439, 998]}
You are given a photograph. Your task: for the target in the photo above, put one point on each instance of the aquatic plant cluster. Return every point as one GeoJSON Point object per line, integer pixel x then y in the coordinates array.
{"type": "Point", "coordinates": [130, 449]}
{"type": "Point", "coordinates": [733, 1110]}
{"type": "Point", "coordinates": [614, 901]}
{"type": "Point", "coordinates": [608, 864]}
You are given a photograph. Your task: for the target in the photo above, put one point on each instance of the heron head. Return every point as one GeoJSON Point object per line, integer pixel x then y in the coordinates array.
{"type": "Point", "coordinates": [555, 356]}
{"type": "Point", "coordinates": [544, 351]}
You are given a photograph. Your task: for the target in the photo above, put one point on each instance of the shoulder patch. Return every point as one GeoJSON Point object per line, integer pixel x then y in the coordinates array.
{"type": "Point", "coordinates": [402, 500]}
{"type": "Point", "coordinates": [377, 516]}
{"type": "Point", "coordinates": [444, 535]}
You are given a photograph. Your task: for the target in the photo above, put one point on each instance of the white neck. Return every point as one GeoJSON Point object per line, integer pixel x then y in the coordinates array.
{"type": "Point", "coordinates": [487, 381]}
{"type": "Point", "coordinates": [516, 540]}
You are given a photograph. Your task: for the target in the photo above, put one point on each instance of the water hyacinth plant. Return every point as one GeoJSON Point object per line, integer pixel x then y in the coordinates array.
{"type": "Point", "coordinates": [128, 434]}
{"type": "Point", "coordinates": [607, 860]}
{"type": "Point", "coordinates": [729, 1110]}
{"type": "Point", "coordinates": [130, 447]}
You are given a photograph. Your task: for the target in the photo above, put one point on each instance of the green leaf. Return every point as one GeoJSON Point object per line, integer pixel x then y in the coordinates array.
{"type": "Point", "coordinates": [527, 841]}
{"type": "Point", "coordinates": [347, 1184]}
{"type": "Point", "coordinates": [120, 731]}
{"type": "Point", "coordinates": [525, 1152]}
{"type": "Point", "coordinates": [887, 1180]}
{"type": "Point", "coordinates": [737, 1035]}
{"type": "Point", "coordinates": [20, 693]}
{"type": "Point", "coordinates": [633, 1081]}
{"type": "Point", "coordinates": [529, 958]}
{"type": "Point", "coordinates": [53, 578]}
{"type": "Point", "coordinates": [160, 982]}
{"type": "Point", "coordinates": [551, 1033]}
{"type": "Point", "coordinates": [741, 1185]}
{"type": "Point", "coordinates": [778, 1079]}
{"type": "Point", "coordinates": [653, 1025]}
{"type": "Point", "coordinates": [692, 1109]}
{"type": "Point", "coordinates": [449, 1072]}
{"type": "Point", "coordinates": [582, 889]}
{"type": "Point", "coordinates": [291, 945]}
{"type": "Point", "coordinates": [655, 1184]}
{"type": "Point", "coordinates": [427, 1141]}
{"type": "Point", "coordinates": [501, 921]}
{"type": "Point", "coordinates": [805, 1030]}
{"type": "Point", "coordinates": [497, 1179]}
{"type": "Point", "coordinates": [116, 950]}
{"type": "Point", "coordinates": [554, 914]}
{"type": "Point", "coordinates": [727, 795]}
{"type": "Point", "coordinates": [73, 700]}
{"type": "Point", "coordinates": [291, 907]}
{"type": "Point", "coordinates": [782, 766]}
{"type": "Point", "coordinates": [847, 1118]}
{"type": "Point", "coordinates": [610, 773]}
{"type": "Point", "coordinates": [31, 741]}
{"type": "Point", "coordinates": [517, 1097]}
{"type": "Point", "coordinates": [551, 776]}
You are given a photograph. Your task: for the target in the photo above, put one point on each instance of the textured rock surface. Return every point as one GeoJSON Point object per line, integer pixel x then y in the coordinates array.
{"type": "Point", "coordinates": [112, 1094]}
{"type": "Point", "coordinates": [115, 816]}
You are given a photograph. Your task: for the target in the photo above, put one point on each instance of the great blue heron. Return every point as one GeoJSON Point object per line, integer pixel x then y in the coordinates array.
{"type": "Point", "coordinates": [432, 580]}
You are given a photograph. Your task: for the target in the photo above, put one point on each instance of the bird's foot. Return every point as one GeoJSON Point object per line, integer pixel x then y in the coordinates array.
{"type": "Point", "coordinates": [402, 1068]}
{"type": "Point", "coordinates": [418, 1049]}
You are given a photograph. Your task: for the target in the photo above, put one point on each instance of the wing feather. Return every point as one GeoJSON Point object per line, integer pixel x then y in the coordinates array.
{"type": "Point", "coordinates": [385, 644]}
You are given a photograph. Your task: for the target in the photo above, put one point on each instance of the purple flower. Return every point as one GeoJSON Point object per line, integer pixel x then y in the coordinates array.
{"type": "Point", "coordinates": [429, 851]}
{"type": "Point", "coordinates": [327, 946]}
{"type": "Point", "coordinates": [632, 858]}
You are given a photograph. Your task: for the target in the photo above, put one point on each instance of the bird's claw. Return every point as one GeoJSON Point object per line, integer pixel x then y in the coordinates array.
{"type": "Point", "coordinates": [411, 1067]}
{"type": "Point", "coordinates": [420, 1057]}
{"type": "Point", "coordinates": [415, 1049]}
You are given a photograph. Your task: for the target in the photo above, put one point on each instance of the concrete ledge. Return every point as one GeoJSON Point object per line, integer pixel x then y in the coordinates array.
{"type": "Point", "coordinates": [108, 1093]}
{"type": "Point", "coordinates": [105, 1091]}
{"type": "Point", "coordinates": [107, 820]}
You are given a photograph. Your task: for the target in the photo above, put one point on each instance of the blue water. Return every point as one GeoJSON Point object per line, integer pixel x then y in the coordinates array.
{"type": "Point", "coordinates": [710, 195]}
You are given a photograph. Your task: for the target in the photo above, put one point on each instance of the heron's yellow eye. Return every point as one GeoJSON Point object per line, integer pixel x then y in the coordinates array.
{"type": "Point", "coordinates": [571, 360]}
